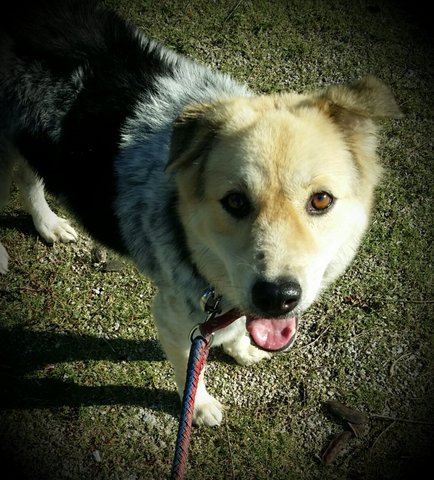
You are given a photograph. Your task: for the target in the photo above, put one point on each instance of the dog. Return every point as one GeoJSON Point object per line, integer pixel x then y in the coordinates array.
{"type": "Point", "coordinates": [187, 173]}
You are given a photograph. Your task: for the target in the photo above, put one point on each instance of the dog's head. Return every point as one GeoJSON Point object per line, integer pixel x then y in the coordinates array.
{"type": "Point", "coordinates": [275, 194]}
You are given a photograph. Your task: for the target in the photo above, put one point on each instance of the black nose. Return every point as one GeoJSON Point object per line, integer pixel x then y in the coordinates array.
{"type": "Point", "coordinates": [276, 298]}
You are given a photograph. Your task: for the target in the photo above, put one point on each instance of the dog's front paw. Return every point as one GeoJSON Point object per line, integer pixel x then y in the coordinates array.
{"type": "Point", "coordinates": [207, 411]}
{"type": "Point", "coordinates": [4, 259]}
{"type": "Point", "coordinates": [244, 353]}
{"type": "Point", "coordinates": [55, 229]}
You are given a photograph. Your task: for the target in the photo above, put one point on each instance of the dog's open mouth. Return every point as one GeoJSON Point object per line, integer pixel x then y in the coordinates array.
{"type": "Point", "coordinates": [271, 334]}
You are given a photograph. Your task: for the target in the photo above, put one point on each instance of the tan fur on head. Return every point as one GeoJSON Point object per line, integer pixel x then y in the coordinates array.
{"type": "Point", "coordinates": [352, 106]}
{"type": "Point", "coordinates": [278, 151]}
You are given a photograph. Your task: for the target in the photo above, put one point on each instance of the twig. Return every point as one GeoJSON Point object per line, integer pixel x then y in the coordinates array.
{"type": "Point", "coordinates": [393, 366]}
{"type": "Point", "coordinates": [230, 452]}
{"type": "Point", "coordinates": [382, 433]}
{"type": "Point", "coordinates": [110, 345]}
{"type": "Point", "coordinates": [392, 300]}
{"type": "Point", "coordinates": [314, 340]}
{"type": "Point", "coordinates": [232, 11]}
{"type": "Point", "coordinates": [397, 419]}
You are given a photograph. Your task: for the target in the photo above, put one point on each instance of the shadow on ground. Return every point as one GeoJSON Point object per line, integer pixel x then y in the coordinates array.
{"type": "Point", "coordinates": [24, 351]}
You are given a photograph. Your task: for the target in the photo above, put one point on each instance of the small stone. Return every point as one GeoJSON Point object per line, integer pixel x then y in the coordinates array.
{"type": "Point", "coordinates": [99, 254]}
{"type": "Point", "coordinates": [96, 456]}
{"type": "Point", "coordinates": [113, 266]}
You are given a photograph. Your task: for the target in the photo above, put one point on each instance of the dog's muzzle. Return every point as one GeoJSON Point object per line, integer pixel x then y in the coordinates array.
{"type": "Point", "coordinates": [270, 334]}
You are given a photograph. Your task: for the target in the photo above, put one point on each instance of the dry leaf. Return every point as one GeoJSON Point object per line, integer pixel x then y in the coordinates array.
{"type": "Point", "coordinates": [337, 445]}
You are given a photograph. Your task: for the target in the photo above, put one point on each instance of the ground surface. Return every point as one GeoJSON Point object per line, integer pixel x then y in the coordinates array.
{"type": "Point", "coordinates": [86, 391]}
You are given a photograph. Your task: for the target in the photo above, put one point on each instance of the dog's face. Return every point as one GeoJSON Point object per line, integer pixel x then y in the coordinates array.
{"type": "Point", "coordinates": [275, 194]}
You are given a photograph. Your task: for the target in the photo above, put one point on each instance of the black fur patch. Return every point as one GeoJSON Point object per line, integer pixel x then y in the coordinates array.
{"type": "Point", "coordinates": [58, 37]}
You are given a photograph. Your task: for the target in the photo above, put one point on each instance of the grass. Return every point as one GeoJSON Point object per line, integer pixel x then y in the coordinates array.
{"type": "Point", "coordinates": [82, 370]}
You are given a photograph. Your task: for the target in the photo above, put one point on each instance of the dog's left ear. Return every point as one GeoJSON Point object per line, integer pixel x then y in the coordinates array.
{"type": "Point", "coordinates": [356, 104]}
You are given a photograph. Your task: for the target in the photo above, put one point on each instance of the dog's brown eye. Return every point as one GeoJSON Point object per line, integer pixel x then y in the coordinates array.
{"type": "Point", "coordinates": [319, 202]}
{"type": "Point", "coordinates": [237, 204]}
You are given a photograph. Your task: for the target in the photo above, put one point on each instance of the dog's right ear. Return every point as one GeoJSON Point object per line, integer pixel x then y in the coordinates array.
{"type": "Point", "coordinates": [355, 105]}
{"type": "Point", "coordinates": [192, 137]}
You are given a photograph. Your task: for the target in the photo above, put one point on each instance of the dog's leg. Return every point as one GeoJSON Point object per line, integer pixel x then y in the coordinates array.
{"type": "Point", "coordinates": [51, 227]}
{"type": "Point", "coordinates": [173, 328]}
{"type": "Point", "coordinates": [6, 168]}
{"type": "Point", "coordinates": [243, 351]}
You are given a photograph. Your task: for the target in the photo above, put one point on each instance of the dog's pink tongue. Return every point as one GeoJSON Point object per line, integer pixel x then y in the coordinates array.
{"type": "Point", "coordinates": [271, 334]}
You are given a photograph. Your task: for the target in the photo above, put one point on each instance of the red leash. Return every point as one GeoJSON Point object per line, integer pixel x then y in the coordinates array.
{"type": "Point", "coordinates": [198, 354]}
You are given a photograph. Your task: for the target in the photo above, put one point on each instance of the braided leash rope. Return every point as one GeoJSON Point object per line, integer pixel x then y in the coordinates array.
{"type": "Point", "coordinates": [199, 350]}
{"type": "Point", "coordinates": [201, 338]}
{"type": "Point", "coordinates": [196, 362]}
